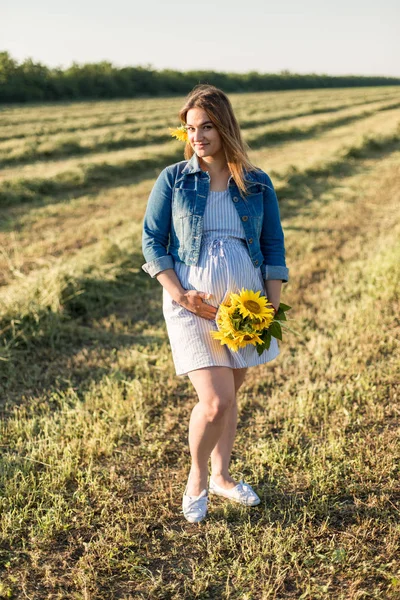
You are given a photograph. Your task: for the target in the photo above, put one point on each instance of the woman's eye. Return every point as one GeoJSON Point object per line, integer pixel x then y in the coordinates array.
{"type": "Point", "coordinates": [192, 128]}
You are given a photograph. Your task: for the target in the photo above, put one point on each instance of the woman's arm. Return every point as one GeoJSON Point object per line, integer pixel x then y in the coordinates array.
{"type": "Point", "coordinates": [273, 290]}
{"type": "Point", "coordinates": [155, 240]}
{"type": "Point", "coordinates": [272, 242]}
{"type": "Point", "coordinates": [192, 300]}
{"type": "Point", "coordinates": [157, 225]}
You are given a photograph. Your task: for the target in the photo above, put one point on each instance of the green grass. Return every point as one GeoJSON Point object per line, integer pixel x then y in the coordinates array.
{"type": "Point", "coordinates": [42, 148]}
{"type": "Point", "coordinates": [93, 437]}
{"type": "Point", "coordinates": [87, 177]}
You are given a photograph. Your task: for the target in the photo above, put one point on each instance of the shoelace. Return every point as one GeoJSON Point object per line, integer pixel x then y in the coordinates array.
{"type": "Point", "coordinates": [196, 506]}
{"type": "Point", "coordinates": [242, 493]}
{"type": "Point", "coordinates": [245, 490]}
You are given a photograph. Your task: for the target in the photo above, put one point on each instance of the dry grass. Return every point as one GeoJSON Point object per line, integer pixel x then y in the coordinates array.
{"type": "Point", "coordinates": [94, 429]}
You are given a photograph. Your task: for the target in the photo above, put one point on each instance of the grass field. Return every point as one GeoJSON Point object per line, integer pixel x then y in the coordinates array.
{"type": "Point", "coordinates": [94, 452]}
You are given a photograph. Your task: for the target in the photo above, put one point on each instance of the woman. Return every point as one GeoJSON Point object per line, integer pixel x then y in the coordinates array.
{"type": "Point", "coordinates": [212, 226]}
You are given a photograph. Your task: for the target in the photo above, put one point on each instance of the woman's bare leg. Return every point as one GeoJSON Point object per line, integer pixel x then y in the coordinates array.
{"type": "Point", "coordinates": [215, 387]}
{"type": "Point", "coordinates": [221, 454]}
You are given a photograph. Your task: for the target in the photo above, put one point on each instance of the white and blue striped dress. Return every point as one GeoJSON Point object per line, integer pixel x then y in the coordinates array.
{"type": "Point", "coordinates": [224, 266]}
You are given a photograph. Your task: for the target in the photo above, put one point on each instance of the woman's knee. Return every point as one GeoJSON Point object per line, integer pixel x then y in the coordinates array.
{"type": "Point", "coordinates": [216, 407]}
{"type": "Point", "coordinates": [215, 389]}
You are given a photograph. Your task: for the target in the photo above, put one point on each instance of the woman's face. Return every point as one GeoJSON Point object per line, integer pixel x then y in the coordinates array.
{"type": "Point", "coordinates": [202, 134]}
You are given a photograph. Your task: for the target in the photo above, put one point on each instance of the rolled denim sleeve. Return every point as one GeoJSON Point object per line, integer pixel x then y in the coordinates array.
{"type": "Point", "coordinates": [272, 243]}
{"type": "Point", "coordinates": [157, 225]}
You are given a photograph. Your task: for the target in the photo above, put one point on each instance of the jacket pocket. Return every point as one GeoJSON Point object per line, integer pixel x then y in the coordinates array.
{"type": "Point", "coordinates": [256, 221]}
{"type": "Point", "coordinates": [182, 230]}
{"type": "Point", "coordinates": [183, 202]}
{"type": "Point", "coordinates": [255, 207]}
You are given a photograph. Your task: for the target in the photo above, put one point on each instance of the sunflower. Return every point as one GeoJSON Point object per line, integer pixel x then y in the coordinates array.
{"type": "Point", "coordinates": [252, 304]}
{"type": "Point", "coordinates": [224, 321]}
{"type": "Point", "coordinates": [180, 133]}
{"type": "Point", "coordinates": [226, 340]}
{"type": "Point", "coordinates": [252, 339]}
{"type": "Point", "coordinates": [226, 309]}
{"type": "Point", "coordinates": [264, 324]}
{"type": "Point", "coordinates": [225, 324]}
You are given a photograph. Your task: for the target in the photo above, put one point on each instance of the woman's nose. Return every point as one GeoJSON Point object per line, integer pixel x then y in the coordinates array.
{"type": "Point", "coordinates": [198, 135]}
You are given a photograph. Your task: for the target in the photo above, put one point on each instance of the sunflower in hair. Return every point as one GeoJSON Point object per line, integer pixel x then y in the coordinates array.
{"type": "Point", "coordinates": [180, 133]}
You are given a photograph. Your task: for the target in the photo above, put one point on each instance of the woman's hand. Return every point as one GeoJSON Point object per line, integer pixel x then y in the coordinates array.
{"type": "Point", "coordinates": [193, 300]}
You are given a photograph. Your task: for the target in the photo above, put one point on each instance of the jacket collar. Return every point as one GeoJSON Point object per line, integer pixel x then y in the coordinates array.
{"type": "Point", "coordinates": [192, 166]}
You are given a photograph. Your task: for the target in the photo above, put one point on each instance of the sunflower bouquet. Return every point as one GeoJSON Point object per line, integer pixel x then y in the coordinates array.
{"type": "Point", "coordinates": [249, 318]}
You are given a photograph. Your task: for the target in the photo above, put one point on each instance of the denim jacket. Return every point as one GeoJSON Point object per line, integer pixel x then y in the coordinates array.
{"type": "Point", "coordinates": [173, 221]}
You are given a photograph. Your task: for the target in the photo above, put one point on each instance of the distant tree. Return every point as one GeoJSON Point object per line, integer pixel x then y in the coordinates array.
{"type": "Point", "coordinates": [31, 81]}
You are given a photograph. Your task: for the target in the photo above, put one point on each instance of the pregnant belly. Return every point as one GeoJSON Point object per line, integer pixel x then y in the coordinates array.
{"type": "Point", "coordinates": [222, 269]}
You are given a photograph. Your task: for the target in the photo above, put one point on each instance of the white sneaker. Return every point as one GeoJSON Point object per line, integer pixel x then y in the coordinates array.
{"type": "Point", "coordinates": [242, 493]}
{"type": "Point", "coordinates": [195, 507]}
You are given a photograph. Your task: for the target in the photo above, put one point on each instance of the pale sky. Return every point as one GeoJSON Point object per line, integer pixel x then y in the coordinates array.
{"type": "Point", "coordinates": [337, 37]}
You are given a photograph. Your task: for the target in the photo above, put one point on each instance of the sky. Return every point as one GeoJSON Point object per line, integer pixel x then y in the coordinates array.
{"type": "Point", "coordinates": [340, 37]}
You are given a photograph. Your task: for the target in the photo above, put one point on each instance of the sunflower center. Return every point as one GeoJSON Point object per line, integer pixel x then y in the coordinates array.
{"type": "Point", "coordinates": [252, 306]}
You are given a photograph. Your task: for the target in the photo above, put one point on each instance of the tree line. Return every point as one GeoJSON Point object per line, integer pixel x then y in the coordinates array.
{"type": "Point", "coordinates": [30, 81]}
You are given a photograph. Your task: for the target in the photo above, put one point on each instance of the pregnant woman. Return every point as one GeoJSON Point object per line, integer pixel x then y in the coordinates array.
{"type": "Point", "coordinates": [212, 226]}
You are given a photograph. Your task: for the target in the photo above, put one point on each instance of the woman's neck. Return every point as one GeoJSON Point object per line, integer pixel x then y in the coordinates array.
{"type": "Point", "coordinates": [214, 165]}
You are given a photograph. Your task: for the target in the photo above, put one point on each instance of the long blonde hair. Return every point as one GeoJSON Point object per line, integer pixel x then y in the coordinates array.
{"type": "Point", "coordinates": [219, 109]}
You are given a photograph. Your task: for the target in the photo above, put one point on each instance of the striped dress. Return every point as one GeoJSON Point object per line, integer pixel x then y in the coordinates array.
{"type": "Point", "coordinates": [224, 266]}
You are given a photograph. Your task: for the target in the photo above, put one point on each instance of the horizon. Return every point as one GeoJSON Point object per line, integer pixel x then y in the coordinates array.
{"type": "Point", "coordinates": [160, 69]}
